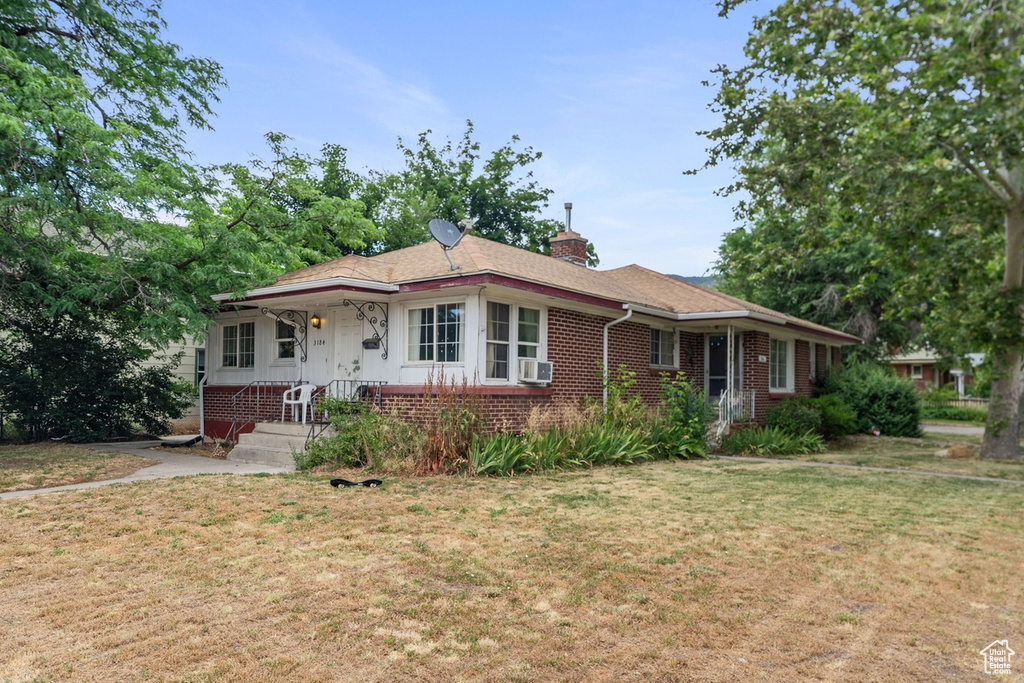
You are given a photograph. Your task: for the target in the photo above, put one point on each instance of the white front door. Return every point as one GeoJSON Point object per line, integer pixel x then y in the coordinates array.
{"type": "Point", "coordinates": [348, 345]}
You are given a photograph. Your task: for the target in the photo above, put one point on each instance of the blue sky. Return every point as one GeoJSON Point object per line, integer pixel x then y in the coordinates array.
{"type": "Point", "coordinates": [609, 92]}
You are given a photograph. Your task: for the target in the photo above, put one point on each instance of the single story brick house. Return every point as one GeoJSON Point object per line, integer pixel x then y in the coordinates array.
{"type": "Point", "coordinates": [929, 370]}
{"type": "Point", "coordinates": [522, 328]}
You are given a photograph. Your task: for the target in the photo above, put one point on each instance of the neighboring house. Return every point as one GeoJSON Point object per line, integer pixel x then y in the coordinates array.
{"type": "Point", "coordinates": [525, 329]}
{"type": "Point", "coordinates": [929, 370]}
{"type": "Point", "coordinates": [190, 369]}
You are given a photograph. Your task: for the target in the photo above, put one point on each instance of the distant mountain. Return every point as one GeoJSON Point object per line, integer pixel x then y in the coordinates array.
{"type": "Point", "coordinates": [707, 281]}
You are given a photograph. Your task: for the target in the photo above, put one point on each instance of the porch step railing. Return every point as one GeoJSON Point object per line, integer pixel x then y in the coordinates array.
{"type": "Point", "coordinates": [260, 401]}
{"type": "Point", "coordinates": [256, 403]}
{"type": "Point", "coordinates": [355, 393]}
{"type": "Point", "coordinates": [734, 406]}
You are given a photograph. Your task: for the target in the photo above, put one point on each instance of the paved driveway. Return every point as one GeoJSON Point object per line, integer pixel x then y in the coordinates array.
{"type": "Point", "coordinates": [168, 465]}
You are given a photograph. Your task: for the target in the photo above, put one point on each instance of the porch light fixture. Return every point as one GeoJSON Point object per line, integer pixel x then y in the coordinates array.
{"type": "Point", "coordinates": [315, 321]}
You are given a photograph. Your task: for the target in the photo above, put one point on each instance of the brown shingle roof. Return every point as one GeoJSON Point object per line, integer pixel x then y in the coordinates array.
{"type": "Point", "coordinates": [630, 284]}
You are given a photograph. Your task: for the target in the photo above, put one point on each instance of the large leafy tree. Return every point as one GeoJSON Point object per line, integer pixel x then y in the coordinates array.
{"type": "Point", "coordinates": [107, 232]}
{"type": "Point", "coordinates": [453, 182]}
{"type": "Point", "coordinates": [101, 212]}
{"type": "Point", "coordinates": [895, 124]}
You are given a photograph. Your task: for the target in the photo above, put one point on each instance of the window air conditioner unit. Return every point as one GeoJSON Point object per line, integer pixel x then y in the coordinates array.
{"type": "Point", "coordinates": [534, 371]}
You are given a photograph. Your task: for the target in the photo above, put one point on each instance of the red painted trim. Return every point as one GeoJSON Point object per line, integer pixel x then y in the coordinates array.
{"type": "Point", "coordinates": [219, 429]}
{"type": "Point", "coordinates": [224, 388]}
{"type": "Point", "coordinates": [482, 389]}
{"type": "Point", "coordinates": [513, 283]}
{"type": "Point", "coordinates": [303, 292]}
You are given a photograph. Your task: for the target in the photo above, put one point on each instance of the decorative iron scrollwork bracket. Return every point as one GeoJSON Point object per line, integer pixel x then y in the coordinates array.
{"type": "Point", "coordinates": [295, 319]}
{"type": "Point", "coordinates": [377, 315]}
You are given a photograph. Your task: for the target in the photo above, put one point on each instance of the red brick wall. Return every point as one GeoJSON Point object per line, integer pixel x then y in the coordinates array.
{"type": "Point", "coordinates": [504, 408]}
{"type": "Point", "coordinates": [756, 345]}
{"type": "Point", "coordinates": [576, 345]}
{"type": "Point", "coordinates": [820, 351]}
{"type": "Point", "coordinates": [802, 361]}
{"type": "Point", "coordinates": [755, 373]}
{"type": "Point", "coordinates": [219, 407]}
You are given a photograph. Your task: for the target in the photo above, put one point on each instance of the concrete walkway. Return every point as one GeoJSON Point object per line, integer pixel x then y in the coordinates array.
{"type": "Point", "coordinates": [168, 465]}
{"type": "Point", "coordinates": [953, 429]}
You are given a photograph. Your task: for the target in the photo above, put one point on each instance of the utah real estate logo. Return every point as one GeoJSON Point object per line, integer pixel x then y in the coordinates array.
{"type": "Point", "coordinates": [997, 657]}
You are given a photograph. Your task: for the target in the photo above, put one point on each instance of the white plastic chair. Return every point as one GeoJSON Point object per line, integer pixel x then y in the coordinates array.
{"type": "Point", "coordinates": [298, 396]}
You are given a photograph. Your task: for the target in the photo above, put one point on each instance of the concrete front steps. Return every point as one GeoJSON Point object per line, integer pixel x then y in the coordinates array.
{"type": "Point", "coordinates": [271, 443]}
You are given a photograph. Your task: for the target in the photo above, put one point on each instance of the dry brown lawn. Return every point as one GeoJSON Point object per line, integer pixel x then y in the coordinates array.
{"type": "Point", "coordinates": [42, 465]}
{"type": "Point", "coordinates": [917, 454]}
{"type": "Point", "coordinates": [667, 571]}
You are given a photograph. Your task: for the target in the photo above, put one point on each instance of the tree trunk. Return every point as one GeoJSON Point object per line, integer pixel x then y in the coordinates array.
{"type": "Point", "coordinates": [1002, 429]}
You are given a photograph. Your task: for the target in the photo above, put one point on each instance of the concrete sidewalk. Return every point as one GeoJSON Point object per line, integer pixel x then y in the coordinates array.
{"type": "Point", "coordinates": [952, 429]}
{"type": "Point", "coordinates": [168, 465]}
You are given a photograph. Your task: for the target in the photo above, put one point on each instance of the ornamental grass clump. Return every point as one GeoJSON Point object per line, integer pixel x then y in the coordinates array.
{"type": "Point", "coordinates": [453, 416]}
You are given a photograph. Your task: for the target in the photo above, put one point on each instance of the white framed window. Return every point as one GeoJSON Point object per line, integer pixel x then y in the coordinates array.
{"type": "Point", "coordinates": [502, 335]}
{"type": "Point", "coordinates": [780, 364]}
{"type": "Point", "coordinates": [812, 361]}
{"type": "Point", "coordinates": [916, 371]}
{"type": "Point", "coordinates": [238, 345]}
{"type": "Point", "coordinates": [200, 365]}
{"type": "Point", "coordinates": [528, 332]}
{"type": "Point", "coordinates": [437, 334]}
{"type": "Point", "coordinates": [663, 348]}
{"type": "Point", "coordinates": [499, 339]}
{"type": "Point", "coordinates": [284, 341]}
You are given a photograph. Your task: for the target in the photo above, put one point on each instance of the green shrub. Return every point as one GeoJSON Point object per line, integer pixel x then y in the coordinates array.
{"type": "Point", "coordinates": [838, 419]}
{"type": "Point", "coordinates": [771, 441]}
{"type": "Point", "coordinates": [625, 407]}
{"type": "Point", "coordinates": [795, 416]}
{"type": "Point", "coordinates": [880, 398]}
{"type": "Point", "coordinates": [681, 429]}
{"type": "Point", "coordinates": [85, 378]}
{"type": "Point", "coordinates": [960, 414]}
{"type": "Point", "coordinates": [366, 438]}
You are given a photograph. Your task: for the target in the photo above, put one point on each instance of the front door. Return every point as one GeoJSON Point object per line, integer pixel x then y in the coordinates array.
{"type": "Point", "coordinates": [348, 345]}
{"type": "Point", "coordinates": [716, 366]}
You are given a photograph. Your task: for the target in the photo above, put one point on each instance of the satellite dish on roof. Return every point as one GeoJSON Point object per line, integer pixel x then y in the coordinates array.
{"type": "Point", "coordinates": [447, 235]}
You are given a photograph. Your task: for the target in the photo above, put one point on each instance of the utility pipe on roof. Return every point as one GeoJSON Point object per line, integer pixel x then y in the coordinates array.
{"type": "Point", "coordinates": [604, 392]}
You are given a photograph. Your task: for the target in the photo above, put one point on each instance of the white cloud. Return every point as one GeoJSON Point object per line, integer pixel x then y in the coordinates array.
{"type": "Point", "coordinates": [402, 106]}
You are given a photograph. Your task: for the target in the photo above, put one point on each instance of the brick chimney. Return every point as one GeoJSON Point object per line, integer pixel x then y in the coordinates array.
{"type": "Point", "coordinates": [569, 246]}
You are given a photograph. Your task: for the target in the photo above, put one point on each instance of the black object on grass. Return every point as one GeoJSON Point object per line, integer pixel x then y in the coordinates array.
{"type": "Point", "coordinates": [344, 483]}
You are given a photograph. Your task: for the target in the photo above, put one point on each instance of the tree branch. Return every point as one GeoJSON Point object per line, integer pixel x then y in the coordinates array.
{"type": "Point", "coordinates": [241, 217]}
{"type": "Point", "coordinates": [997, 191]}
{"type": "Point", "coordinates": [26, 30]}
{"type": "Point", "coordinates": [1012, 191]}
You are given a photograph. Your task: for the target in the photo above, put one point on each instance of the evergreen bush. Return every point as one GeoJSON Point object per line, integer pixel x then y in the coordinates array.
{"type": "Point", "coordinates": [881, 399]}
{"type": "Point", "coordinates": [796, 416]}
